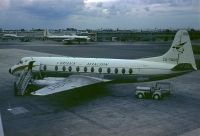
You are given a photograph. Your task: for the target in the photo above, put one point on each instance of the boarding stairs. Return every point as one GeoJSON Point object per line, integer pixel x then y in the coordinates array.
{"type": "Point", "coordinates": [22, 82]}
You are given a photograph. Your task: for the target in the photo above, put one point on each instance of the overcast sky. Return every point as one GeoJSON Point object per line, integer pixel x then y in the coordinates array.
{"type": "Point", "coordinates": [82, 14]}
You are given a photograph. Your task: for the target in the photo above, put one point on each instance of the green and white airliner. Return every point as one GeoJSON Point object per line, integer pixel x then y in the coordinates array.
{"type": "Point", "coordinates": [58, 74]}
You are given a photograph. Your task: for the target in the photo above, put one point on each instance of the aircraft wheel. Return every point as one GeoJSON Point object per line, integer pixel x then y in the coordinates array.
{"type": "Point", "coordinates": [156, 97]}
{"type": "Point", "coordinates": [140, 96]}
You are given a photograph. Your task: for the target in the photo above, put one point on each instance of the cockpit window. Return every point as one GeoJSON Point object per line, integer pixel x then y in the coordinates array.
{"type": "Point", "coordinates": [20, 62]}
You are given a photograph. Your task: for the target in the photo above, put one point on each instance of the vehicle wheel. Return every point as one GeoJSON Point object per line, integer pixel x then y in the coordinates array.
{"type": "Point", "coordinates": [156, 97]}
{"type": "Point", "coordinates": [140, 96]}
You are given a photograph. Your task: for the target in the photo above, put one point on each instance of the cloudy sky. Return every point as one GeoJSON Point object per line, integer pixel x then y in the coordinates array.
{"type": "Point", "coordinates": [95, 14]}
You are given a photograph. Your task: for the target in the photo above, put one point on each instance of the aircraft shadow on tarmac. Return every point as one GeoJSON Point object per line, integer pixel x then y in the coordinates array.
{"type": "Point", "coordinates": [77, 96]}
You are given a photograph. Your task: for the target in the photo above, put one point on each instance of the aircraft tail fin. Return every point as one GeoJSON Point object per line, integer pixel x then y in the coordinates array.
{"type": "Point", "coordinates": [46, 32]}
{"type": "Point", "coordinates": [180, 53]}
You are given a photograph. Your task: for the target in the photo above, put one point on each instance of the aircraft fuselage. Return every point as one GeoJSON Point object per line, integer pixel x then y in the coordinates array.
{"type": "Point", "coordinates": [70, 65]}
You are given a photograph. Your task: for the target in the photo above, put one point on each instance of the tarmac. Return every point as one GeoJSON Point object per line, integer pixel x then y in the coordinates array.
{"type": "Point", "coordinates": [102, 109]}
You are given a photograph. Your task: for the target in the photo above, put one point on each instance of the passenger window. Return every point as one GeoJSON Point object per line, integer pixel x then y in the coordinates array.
{"type": "Point", "coordinates": [77, 69]}
{"type": "Point", "coordinates": [100, 70]}
{"type": "Point", "coordinates": [116, 70]}
{"type": "Point", "coordinates": [92, 69]}
{"type": "Point", "coordinates": [85, 69]}
{"type": "Point", "coordinates": [123, 71]}
{"type": "Point", "coordinates": [64, 68]}
{"type": "Point", "coordinates": [130, 71]}
{"type": "Point", "coordinates": [108, 70]}
{"type": "Point", "coordinates": [70, 68]}
{"type": "Point", "coordinates": [56, 68]}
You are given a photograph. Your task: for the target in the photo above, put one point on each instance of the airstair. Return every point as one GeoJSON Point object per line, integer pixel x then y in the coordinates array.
{"type": "Point", "coordinates": [22, 82]}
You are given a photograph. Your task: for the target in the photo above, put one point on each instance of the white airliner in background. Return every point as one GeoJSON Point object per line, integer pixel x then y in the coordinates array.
{"type": "Point", "coordinates": [12, 36]}
{"type": "Point", "coordinates": [65, 38]}
{"type": "Point", "coordinates": [77, 72]}
{"type": "Point", "coordinates": [16, 37]}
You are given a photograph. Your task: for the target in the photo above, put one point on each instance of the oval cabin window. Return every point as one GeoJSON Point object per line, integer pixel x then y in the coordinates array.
{"type": "Point", "coordinates": [70, 68]}
{"type": "Point", "coordinates": [56, 68]}
{"type": "Point", "coordinates": [77, 69]}
{"type": "Point", "coordinates": [92, 69]}
{"type": "Point", "coordinates": [116, 70]}
{"type": "Point", "coordinates": [100, 70]}
{"type": "Point", "coordinates": [108, 70]}
{"type": "Point", "coordinates": [130, 71]}
{"type": "Point", "coordinates": [85, 69]}
{"type": "Point", "coordinates": [123, 71]}
{"type": "Point", "coordinates": [64, 68]}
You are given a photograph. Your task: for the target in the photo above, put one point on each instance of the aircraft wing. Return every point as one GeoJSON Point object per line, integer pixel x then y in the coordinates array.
{"type": "Point", "coordinates": [72, 82]}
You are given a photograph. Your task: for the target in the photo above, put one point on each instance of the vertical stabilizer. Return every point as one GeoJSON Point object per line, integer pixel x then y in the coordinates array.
{"type": "Point", "coordinates": [180, 52]}
{"type": "Point", "coordinates": [46, 32]}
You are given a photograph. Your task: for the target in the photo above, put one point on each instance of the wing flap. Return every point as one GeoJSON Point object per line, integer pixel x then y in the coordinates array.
{"type": "Point", "coordinates": [71, 82]}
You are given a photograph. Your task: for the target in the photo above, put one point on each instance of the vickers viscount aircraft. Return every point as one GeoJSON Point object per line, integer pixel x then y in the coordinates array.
{"type": "Point", "coordinates": [77, 72]}
{"type": "Point", "coordinates": [16, 37]}
{"type": "Point", "coordinates": [65, 38]}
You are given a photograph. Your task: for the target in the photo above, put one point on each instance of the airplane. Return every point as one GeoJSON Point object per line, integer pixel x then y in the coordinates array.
{"type": "Point", "coordinates": [57, 74]}
{"type": "Point", "coordinates": [15, 37]}
{"type": "Point", "coordinates": [65, 38]}
{"type": "Point", "coordinates": [10, 35]}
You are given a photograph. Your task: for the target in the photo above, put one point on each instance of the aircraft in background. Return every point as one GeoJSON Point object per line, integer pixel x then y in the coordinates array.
{"type": "Point", "coordinates": [65, 38]}
{"type": "Point", "coordinates": [77, 72]}
{"type": "Point", "coordinates": [15, 37]}
{"type": "Point", "coordinates": [10, 35]}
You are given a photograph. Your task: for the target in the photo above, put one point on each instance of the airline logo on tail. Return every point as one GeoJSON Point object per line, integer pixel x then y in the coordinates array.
{"type": "Point", "coordinates": [179, 47]}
